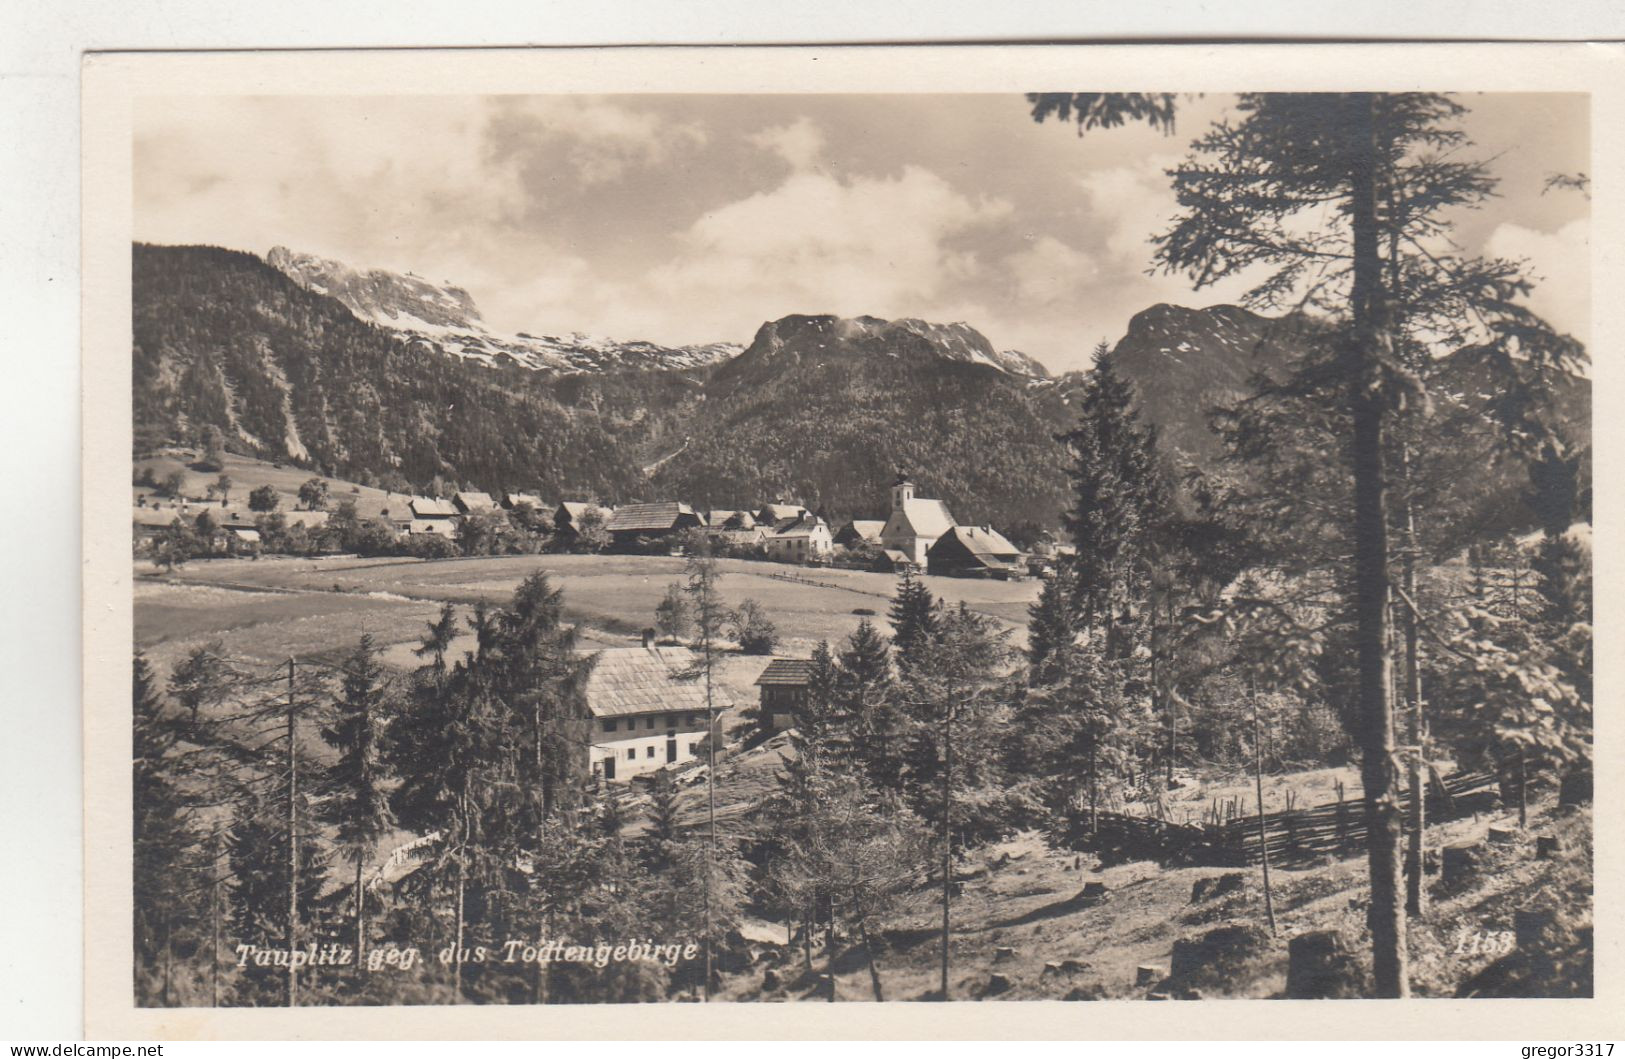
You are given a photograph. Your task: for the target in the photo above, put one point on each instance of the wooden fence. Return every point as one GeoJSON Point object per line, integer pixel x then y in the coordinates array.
{"type": "Point", "coordinates": [1229, 838]}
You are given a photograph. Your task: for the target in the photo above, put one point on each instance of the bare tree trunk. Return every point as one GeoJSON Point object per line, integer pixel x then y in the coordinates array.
{"type": "Point", "coordinates": [1415, 847]}
{"type": "Point", "coordinates": [947, 833]}
{"type": "Point", "coordinates": [457, 942]}
{"type": "Point", "coordinates": [869, 951]}
{"type": "Point", "coordinates": [214, 921]}
{"type": "Point", "coordinates": [829, 951]}
{"type": "Point", "coordinates": [1377, 771]}
{"type": "Point", "coordinates": [1523, 789]}
{"type": "Point", "coordinates": [806, 935]}
{"type": "Point", "coordinates": [360, 918]}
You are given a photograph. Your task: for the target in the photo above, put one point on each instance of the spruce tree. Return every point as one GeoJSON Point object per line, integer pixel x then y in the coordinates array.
{"type": "Point", "coordinates": [914, 617]}
{"type": "Point", "coordinates": [357, 802]}
{"type": "Point", "coordinates": [1344, 198]}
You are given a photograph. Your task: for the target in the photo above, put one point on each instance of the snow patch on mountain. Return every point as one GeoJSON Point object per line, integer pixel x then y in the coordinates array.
{"type": "Point", "coordinates": [443, 319]}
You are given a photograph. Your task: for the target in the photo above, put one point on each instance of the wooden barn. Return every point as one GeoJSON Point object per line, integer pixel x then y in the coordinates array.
{"type": "Point", "coordinates": [784, 683]}
{"type": "Point", "coordinates": [975, 551]}
{"type": "Point", "coordinates": [649, 527]}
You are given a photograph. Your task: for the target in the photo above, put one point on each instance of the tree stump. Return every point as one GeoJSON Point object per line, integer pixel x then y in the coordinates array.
{"type": "Point", "coordinates": [1530, 925]}
{"type": "Point", "coordinates": [1087, 992]}
{"type": "Point", "coordinates": [1548, 847]}
{"type": "Point", "coordinates": [1003, 953]}
{"type": "Point", "coordinates": [1320, 967]}
{"type": "Point", "coordinates": [770, 979]}
{"type": "Point", "coordinates": [1575, 787]}
{"type": "Point", "coordinates": [1093, 893]}
{"type": "Point", "coordinates": [996, 984]}
{"type": "Point", "coordinates": [1459, 863]}
{"type": "Point", "coordinates": [1147, 973]}
{"type": "Point", "coordinates": [1504, 836]}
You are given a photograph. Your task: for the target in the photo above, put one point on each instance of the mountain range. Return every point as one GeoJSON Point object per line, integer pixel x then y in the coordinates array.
{"type": "Point", "coordinates": [389, 378]}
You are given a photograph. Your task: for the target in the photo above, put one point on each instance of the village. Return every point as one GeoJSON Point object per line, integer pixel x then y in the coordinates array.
{"type": "Point", "coordinates": [648, 712]}
{"type": "Point", "coordinates": [917, 533]}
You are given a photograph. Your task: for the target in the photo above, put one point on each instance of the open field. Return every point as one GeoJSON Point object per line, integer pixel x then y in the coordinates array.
{"type": "Point", "coordinates": [248, 474]}
{"type": "Point", "coordinates": [276, 606]}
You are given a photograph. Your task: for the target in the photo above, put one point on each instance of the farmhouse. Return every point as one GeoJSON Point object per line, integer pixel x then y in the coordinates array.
{"type": "Point", "coordinates": [647, 711]}
{"type": "Point", "coordinates": [730, 520]}
{"type": "Point", "coordinates": [470, 503]}
{"type": "Point", "coordinates": [432, 515]}
{"type": "Point", "coordinates": [647, 527]}
{"type": "Point", "coordinates": [774, 514]}
{"type": "Point", "coordinates": [801, 540]}
{"type": "Point", "coordinates": [915, 523]}
{"type": "Point", "coordinates": [974, 551]}
{"type": "Point", "coordinates": [859, 532]}
{"type": "Point", "coordinates": [511, 500]}
{"type": "Point", "coordinates": [784, 685]}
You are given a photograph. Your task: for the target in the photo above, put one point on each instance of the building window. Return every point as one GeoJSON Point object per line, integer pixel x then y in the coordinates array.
{"type": "Point", "coordinates": [648, 722]}
{"type": "Point", "coordinates": [671, 720]}
{"type": "Point", "coordinates": [631, 753]}
{"type": "Point", "coordinates": [693, 718]}
{"type": "Point", "coordinates": [648, 751]}
{"type": "Point", "coordinates": [693, 749]}
{"type": "Point", "coordinates": [609, 726]}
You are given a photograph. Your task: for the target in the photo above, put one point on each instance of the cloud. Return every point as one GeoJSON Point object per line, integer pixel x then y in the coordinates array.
{"type": "Point", "coordinates": [1050, 272]}
{"type": "Point", "coordinates": [879, 245]}
{"type": "Point", "coordinates": [1560, 263]}
{"type": "Point", "coordinates": [800, 143]}
{"type": "Point", "coordinates": [599, 140]}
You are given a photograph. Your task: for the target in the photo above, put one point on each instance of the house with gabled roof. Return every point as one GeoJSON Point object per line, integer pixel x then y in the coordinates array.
{"type": "Point", "coordinates": [775, 514]}
{"type": "Point", "coordinates": [800, 540]}
{"type": "Point", "coordinates": [648, 710]}
{"type": "Point", "coordinates": [860, 531]}
{"type": "Point", "coordinates": [433, 515]}
{"type": "Point", "coordinates": [472, 502]}
{"type": "Point", "coordinates": [915, 523]}
{"type": "Point", "coordinates": [511, 500]}
{"type": "Point", "coordinates": [974, 551]}
{"type": "Point", "coordinates": [785, 685]}
{"type": "Point", "coordinates": [649, 527]}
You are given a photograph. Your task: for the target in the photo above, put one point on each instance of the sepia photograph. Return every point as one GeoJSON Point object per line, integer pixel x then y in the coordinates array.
{"type": "Point", "coordinates": [619, 546]}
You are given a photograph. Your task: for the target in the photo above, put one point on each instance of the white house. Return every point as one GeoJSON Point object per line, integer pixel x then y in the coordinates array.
{"type": "Point", "coordinates": [432, 515]}
{"type": "Point", "coordinates": [648, 710]}
{"type": "Point", "coordinates": [915, 523]}
{"type": "Point", "coordinates": [804, 540]}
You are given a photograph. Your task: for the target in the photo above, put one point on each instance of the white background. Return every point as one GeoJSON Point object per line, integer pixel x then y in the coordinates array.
{"type": "Point", "coordinates": [41, 44]}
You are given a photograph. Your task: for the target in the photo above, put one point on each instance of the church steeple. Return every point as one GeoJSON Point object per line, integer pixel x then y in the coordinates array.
{"type": "Point", "coordinates": [902, 491]}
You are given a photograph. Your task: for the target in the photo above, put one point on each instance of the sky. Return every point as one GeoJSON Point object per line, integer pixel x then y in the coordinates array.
{"type": "Point", "coordinates": [691, 218]}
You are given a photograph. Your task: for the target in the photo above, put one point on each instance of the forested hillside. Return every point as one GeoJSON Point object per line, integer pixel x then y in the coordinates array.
{"type": "Point", "coordinates": [222, 339]}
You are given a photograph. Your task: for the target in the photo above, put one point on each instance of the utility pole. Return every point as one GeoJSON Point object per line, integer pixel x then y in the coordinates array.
{"type": "Point", "coordinates": [1263, 831]}
{"type": "Point", "coordinates": [947, 830]}
{"type": "Point", "coordinates": [293, 844]}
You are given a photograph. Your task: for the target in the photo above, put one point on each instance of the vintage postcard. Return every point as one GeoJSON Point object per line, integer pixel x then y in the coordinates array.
{"type": "Point", "coordinates": [849, 542]}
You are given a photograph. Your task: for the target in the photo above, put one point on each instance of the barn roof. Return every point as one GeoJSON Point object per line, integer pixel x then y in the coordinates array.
{"type": "Point", "coordinates": [626, 680]}
{"type": "Point", "coordinates": [788, 672]}
{"type": "Point", "coordinates": [779, 512]}
{"type": "Point", "coordinates": [984, 542]}
{"type": "Point", "coordinates": [635, 518]}
{"type": "Point", "coordinates": [473, 500]}
{"type": "Point", "coordinates": [431, 507]}
{"type": "Point", "coordinates": [515, 499]}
